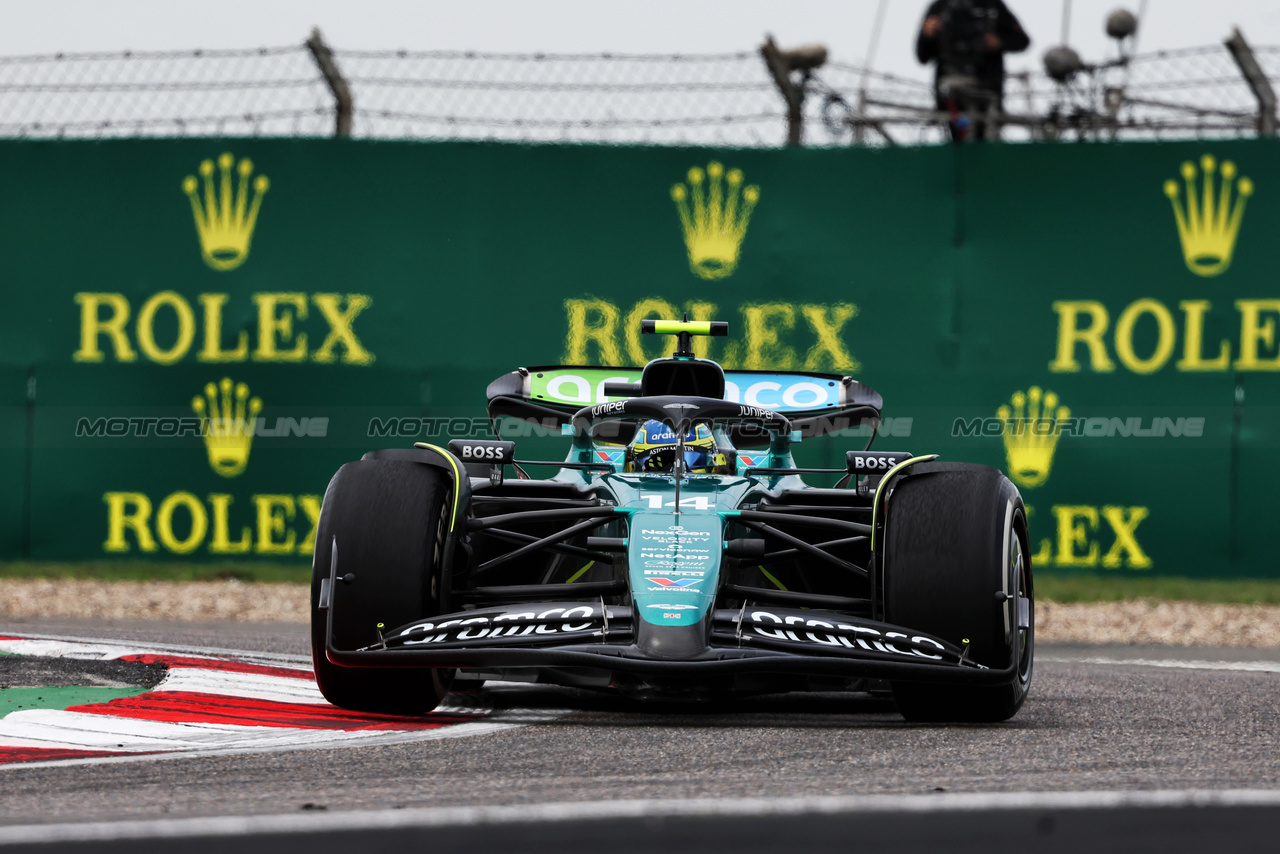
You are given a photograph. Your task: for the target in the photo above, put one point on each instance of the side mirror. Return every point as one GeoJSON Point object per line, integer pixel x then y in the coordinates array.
{"type": "Point", "coordinates": [622, 389]}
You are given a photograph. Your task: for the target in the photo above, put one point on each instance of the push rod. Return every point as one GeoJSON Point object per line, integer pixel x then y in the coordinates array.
{"type": "Point", "coordinates": [808, 548]}
{"type": "Point", "coordinates": [561, 548]}
{"type": "Point", "coordinates": [783, 553]}
{"type": "Point", "coordinates": [537, 544]}
{"type": "Point", "coordinates": [812, 521]}
{"type": "Point", "coordinates": [543, 592]}
{"type": "Point", "coordinates": [540, 516]}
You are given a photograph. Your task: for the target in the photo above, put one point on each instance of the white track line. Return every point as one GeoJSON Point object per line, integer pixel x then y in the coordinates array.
{"type": "Point", "coordinates": [234, 826]}
{"type": "Point", "coordinates": [492, 723]}
{"type": "Point", "coordinates": [1183, 664]}
{"type": "Point", "coordinates": [135, 735]}
{"type": "Point", "coordinates": [186, 649]}
{"type": "Point", "coordinates": [96, 649]}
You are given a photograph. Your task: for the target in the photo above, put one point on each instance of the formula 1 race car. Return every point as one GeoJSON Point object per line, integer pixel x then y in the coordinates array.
{"type": "Point", "coordinates": [676, 552]}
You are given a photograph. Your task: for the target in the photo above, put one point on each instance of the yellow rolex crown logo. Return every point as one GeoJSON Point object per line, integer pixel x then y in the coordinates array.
{"type": "Point", "coordinates": [228, 415]}
{"type": "Point", "coordinates": [1031, 431]}
{"type": "Point", "coordinates": [1208, 217]}
{"type": "Point", "coordinates": [226, 217]}
{"type": "Point", "coordinates": [714, 218]}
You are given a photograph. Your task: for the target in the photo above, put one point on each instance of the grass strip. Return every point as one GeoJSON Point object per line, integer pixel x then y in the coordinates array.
{"type": "Point", "coordinates": [25, 699]}
{"type": "Point", "coordinates": [271, 573]}
{"type": "Point", "coordinates": [1101, 588]}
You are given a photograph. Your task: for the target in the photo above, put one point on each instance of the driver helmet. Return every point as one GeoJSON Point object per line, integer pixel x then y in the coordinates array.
{"type": "Point", "coordinates": [654, 450]}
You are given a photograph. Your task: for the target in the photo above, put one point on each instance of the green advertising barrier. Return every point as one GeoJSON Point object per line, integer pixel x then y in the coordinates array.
{"type": "Point", "coordinates": [14, 419]}
{"type": "Point", "coordinates": [1098, 302]}
{"type": "Point", "coordinates": [1097, 320]}
{"type": "Point", "coordinates": [1255, 471]}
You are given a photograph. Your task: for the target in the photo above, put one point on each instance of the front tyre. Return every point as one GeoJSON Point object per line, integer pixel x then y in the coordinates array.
{"type": "Point", "coordinates": [388, 519]}
{"type": "Point", "coordinates": [957, 565]}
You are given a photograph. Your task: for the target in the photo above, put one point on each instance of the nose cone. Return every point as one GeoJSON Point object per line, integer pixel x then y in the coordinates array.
{"type": "Point", "coordinates": [674, 570]}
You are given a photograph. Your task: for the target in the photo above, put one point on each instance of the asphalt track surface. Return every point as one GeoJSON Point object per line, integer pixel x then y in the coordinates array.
{"type": "Point", "coordinates": [1143, 726]}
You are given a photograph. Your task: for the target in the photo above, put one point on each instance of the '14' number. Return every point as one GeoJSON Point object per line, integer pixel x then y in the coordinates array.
{"type": "Point", "coordinates": [695, 502]}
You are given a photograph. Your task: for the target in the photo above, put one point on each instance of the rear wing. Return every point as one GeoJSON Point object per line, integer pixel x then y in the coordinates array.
{"type": "Point", "coordinates": [817, 404]}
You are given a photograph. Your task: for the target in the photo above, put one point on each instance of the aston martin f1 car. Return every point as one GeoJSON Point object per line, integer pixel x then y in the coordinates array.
{"type": "Point", "coordinates": [676, 551]}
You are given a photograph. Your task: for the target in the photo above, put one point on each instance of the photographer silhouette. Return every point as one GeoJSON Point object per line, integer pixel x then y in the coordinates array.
{"type": "Point", "coordinates": [968, 40]}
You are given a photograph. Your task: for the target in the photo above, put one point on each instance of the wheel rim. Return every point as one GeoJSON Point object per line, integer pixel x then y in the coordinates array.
{"type": "Point", "coordinates": [441, 678]}
{"type": "Point", "coordinates": [1023, 637]}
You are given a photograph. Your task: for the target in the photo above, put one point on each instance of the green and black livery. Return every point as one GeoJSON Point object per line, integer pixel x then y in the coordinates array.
{"type": "Point", "coordinates": [451, 565]}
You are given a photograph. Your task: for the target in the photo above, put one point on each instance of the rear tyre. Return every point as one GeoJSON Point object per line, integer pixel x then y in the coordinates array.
{"type": "Point", "coordinates": [389, 520]}
{"type": "Point", "coordinates": [956, 545]}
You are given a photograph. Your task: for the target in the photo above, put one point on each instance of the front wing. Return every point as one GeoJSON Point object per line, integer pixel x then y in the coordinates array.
{"type": "Point", "coordinates": [600, 637]}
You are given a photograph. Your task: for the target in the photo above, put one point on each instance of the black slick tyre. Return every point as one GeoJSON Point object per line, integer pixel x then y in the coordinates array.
{"type": "Point", "coordinates": [957, 565]}
{"type": "Point", "coordinates": [388, 520]}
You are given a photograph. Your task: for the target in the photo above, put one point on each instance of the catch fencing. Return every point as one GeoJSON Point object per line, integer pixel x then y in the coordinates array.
{"type": "Point", "coordinates": [721, 99]}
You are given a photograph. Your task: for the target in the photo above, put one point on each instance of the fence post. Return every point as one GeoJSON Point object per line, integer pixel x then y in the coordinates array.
{"type": "Point", "coordinates": [344, 104]}
{"type": "Point", "coordinates": [780, 64]}
{"type": "Point", "coordinates": [1257, 80]}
